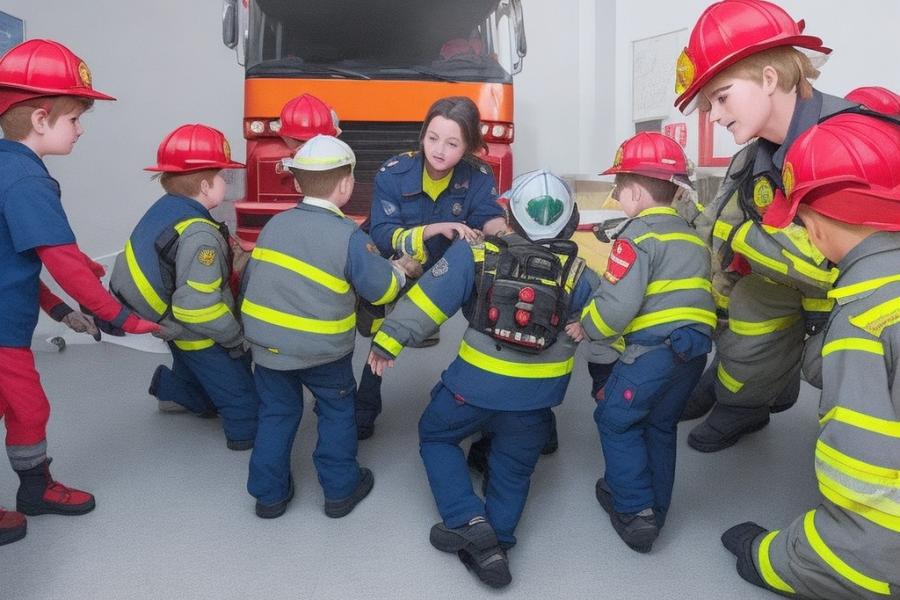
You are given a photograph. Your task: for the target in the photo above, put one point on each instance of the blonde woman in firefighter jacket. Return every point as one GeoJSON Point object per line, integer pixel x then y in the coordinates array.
{"type": "Point", "coordinates": [175, 270]}
{"type": "Point", "coordinates": [847, 193]}
{"type": "Point", "coordinates": [650, 323]}
{"type": "Point", "coordinates": [491, 386]}
{"type": "Point", "coordinates": [744, 62]}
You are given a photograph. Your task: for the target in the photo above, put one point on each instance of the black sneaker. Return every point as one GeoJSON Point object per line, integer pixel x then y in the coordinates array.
{"type": "Point", "coordinates": [476, 545]}
{"type": "Point", "coordinates": [341, 508]}
{"type": "Point", "coordinates": [725, 425]}
{"type": "Point", "coordinates": [637, 530]}
{"type": "Point", "coordinates": [273, 511]}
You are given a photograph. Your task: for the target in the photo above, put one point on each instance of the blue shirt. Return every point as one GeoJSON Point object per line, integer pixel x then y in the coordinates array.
{"type": "Point", "coordinates": [400, 202]}
{"type": "Point", "coordinates": [31, 215]}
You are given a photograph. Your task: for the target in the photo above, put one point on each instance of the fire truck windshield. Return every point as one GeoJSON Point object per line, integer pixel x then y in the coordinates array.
{"type": "Point", "coordinates": [460, 40]}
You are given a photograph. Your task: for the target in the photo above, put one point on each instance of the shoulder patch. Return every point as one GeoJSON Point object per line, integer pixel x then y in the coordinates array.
{"type": "Point", "coordinates": [440, 268]}
{"type": "Point", "coordinates": [389, 208]}
{"type": "Point", "coordinates": [206, 256]}
{"type": "Point", "coordinates": [621, 257]}
{"type": "Point", "coordinates": [878, 318]}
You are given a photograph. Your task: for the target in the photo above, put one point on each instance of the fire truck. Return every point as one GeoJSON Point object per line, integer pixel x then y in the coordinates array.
{"type": "Point", "coordinates": [379, 64]}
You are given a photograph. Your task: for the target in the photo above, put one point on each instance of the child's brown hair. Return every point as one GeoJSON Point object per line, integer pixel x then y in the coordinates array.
{"type": "Point", "coordinates": [320, 184]}
{"type": "Point", "coordinates": [186, 184]}
{"type": "Point", "coordinates": [662, 192]}
{"type": "Point", "coordinates": [16, 122]}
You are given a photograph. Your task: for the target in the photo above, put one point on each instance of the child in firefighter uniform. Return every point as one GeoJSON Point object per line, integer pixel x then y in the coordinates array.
{"type": "Point", "coordinates": [299, 294]}
{"type": "Point", "coordinates": [424, 200]}
{"type": "Point", "coordinates": [304, 117]}
{"type": "Point", "coordinates": [656, 293]}
{"type": "Point", "coordinates": [520, 292]}
{"type": "Point", "coordinates": [843, 181]}
{"type": "Point", "coordinates": [176, 270]}
{"type": "Point", "coordinates": [44, 89]}
{"type": "Point", "coordinates": [750, 64]}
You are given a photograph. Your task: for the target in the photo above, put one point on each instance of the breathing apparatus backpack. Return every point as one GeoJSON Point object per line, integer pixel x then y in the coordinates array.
{"type": "Point", "coordinates": [523, 291]}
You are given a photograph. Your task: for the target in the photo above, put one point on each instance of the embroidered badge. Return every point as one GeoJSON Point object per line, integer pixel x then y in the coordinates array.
{"type": "Point", "coordinates": [787, 177]}
{"type": "Point", "coordinates": [763, 194]}
{"type": "Point", "coordinates": [84, 74]}
{"type": "Point", "coordinates": [685, 72]}
{"type": "Point", "coordinates": [226, 148]}
{"type": "Point", "coordinates": [388, 207]}
{"type": "Point", "coordinates": [621, 258]}
{"type": "Point", "coordinates": [456, 209]}
{"type": "Point", "coordinates": [461, 185]}
{"type": "Point", "coordinates": [206, 256]}
{"type": "Point", "coordinates": [440, 268]}
{"type": "Point", "coordinates": [617, 161]}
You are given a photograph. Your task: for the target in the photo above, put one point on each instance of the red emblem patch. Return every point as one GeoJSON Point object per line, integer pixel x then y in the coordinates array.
{"type": "Point", "coordinates": [621, 258]}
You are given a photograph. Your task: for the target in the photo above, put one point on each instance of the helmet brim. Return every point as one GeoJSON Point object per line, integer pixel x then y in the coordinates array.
{"type": "Point", "coordinates": [206, 166]}
{"type": "Point", "coordinates": [80, 92]}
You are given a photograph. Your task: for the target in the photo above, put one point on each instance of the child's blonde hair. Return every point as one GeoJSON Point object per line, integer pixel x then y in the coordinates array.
{"type": "Point", "coordinates": [320, 184]}
{"type": "Point", "coordinates": [795, 70]}
{"type": "Point", "coordinates": [16, 122]}
{"type": "Point", "coordinates": [186, 184]}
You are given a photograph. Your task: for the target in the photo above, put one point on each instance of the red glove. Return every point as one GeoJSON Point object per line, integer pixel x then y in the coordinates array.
{"type": "Point", "coordinates": [135, 324]}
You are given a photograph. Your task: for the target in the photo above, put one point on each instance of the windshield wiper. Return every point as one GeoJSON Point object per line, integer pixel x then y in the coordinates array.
{"type": "Point", "coordinates": [420, 71]}
{"type": "Point", "coordinates": [298, 64]}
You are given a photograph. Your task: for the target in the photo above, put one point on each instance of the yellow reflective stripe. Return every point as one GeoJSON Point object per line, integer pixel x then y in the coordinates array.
{"type": "Point", "coordinates": [720, 299]}
{"type": "Point", "coordinates": [279, 259]}
{"type": "Point", "coordinates": [817, 304]}
{"type": "Point", "coordinates": [388, 343]}
{"type": "Point", "coordinates": [619, 345]}
{"type": "Point", "coordinates": [731, 384]}
{"type": "Point", "coordinates": [858, 344]}
{"type": "Point", "coordinates": [597, 320]}
{"type": "Point", "coordinates": [395, 239]}
{"type": "Point", "coordinates": [376, 324]}
{"type": "Point", "coordinates": [298, 323]}
{"type": "Point", "coordinates": [834, 561]}
{"type": "Point", "coordinates": [813, 272]}
{"type": "Point", "coordinates": [507, 368]}
{"type": "Point", "coordinates": [761, 327]}
{"type": "Point", "coordinates": [662, 286]}
{"type": "Point", "coordinates": [857, 469]}
{"type": "Point", "coordinates": [740, 245]}
{"type": "Point", "coordinates": [671, 237]}
{"type": "Point", "coordinates": [878, 318]}
{"type": "Point", "coordinates": [722, 230]}
{"type": "Point", "coordinates": [200, 315]}
{"type": "Point", "coordinates": [207, 288]}
{"type": "Point", "coordinates": [862, 286]}
{"type": "Point", "coordinates": [189, 345]}
{"type": "Point", "coordinates": [669, 315]}
{"type": "Point", "coordinates": [858, 419]}
{"type": "Point", "coordinates": [478, 253]}
{"type": "Point", "coordinates": [417, 243]}
{"type": "Point", "coordinates": [491, 247]}
{"type": "Point", "coordinates": [867, 512]}
{"type": "Point", "coordinates": [658, 210]}
{"type": "Point", "coordinates": [765, 566]}
{"type": "Point", "coordinates": [142, 283]}
{"type": "Point", "coordinates": [391, 292]}
{"type": "Point", "coordinates": [180, 227]}
{"type": "Point", "coordinates": [424, 303]}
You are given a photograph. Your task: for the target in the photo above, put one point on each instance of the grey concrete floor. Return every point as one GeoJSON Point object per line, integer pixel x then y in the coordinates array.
{"type": "Point", "coordinates": [174, 520]}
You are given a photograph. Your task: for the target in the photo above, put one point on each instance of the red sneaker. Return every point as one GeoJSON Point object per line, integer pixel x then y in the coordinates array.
{"type": "Point", "coordinates": [12, 526]}
{"type": "Point", "coordinates": [40, 495]}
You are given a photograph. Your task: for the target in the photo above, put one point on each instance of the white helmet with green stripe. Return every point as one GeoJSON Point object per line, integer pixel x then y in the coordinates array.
{"type": "Point", "coordinates": [542, 206]}
{"type": "Point", "coordinates": [321, 153]}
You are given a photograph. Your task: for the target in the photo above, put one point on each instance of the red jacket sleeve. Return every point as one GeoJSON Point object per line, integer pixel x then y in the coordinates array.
{"type": "Point", "coordinates": [51, 304]}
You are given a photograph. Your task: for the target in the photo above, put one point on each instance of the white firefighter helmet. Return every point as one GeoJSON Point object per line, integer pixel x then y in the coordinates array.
{"type": "Point", "coordinates": [542, 206]}
{"type": "Point", "coordinates": [321, 153]}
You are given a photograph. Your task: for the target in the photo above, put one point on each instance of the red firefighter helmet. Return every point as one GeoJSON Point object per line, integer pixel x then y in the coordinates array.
{"type": "Point", "coordinates": [728, 32]}
{"type": "Point", "coordinates": [846, 168]}
{"type": "Point", "coordinates": [876, 98]}
{"type": "Point", "coordinates": [652, 155]}
{"type": "Point", "coordinates": [194, 148]}
{"type": "Point", "coordinates": [305, 117]}
{"type": "Point", "coordinates": [46, 68]}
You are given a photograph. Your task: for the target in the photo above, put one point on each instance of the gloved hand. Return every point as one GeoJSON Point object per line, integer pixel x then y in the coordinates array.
{"type": "Point", "coordinates": [81, 323]}
{"type": "Point", "coordinates": [167, 332]}
{"type": "Point", "coordinates": [135, 324]}
{"type": "Point", "coordinates": [409, 265]}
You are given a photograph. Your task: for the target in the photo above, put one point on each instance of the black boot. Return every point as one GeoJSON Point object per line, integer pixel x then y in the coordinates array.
{"type": "Point", "coordinates": [725, 425]}
{"type": "Point", "coordinates": [39, 495]}
{"type": "Point", "coordinates": [276, 509]}
{"type": "Point", "coordinates": [739, 541]}
{"type": "Point", "coordinates": [368, 403]}
{"type": "Point", "coordinates": [341, 508]}
{"type": "Point", "coordinates": [552, 444]}
{"type": "Point", "coordinates": [637, 530]}
{"type": "Point", "coordinates": [703, 397]}
{"type": "Point", "coordinates": [477, 547]}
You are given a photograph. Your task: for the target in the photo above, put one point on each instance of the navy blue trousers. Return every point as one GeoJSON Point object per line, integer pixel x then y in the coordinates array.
{"type": "Point", "coordinates": [518, 438]}
{"type": "Point", "coordinates": [210, 379]}
{"type": "Point", "coordinates": [280, 411]}
{"type": "Point", "coordinates": [637, 414]}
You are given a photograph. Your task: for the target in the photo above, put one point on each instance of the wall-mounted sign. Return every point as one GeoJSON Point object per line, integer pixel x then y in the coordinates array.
{"type": "Point", "coordinates": [12, 32]}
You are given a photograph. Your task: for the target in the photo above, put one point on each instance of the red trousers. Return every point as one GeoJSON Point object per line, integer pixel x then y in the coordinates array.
{"type": "Point", "coordinates": [22, 399]}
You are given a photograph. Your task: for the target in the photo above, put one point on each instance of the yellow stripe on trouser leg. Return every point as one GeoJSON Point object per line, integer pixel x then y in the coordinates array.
{"type": "Point", "coordinates": [762, 327]}
{"type": "Point", "coordinates": [731, 384]}
{"type": "Point", "coordinates": [765, 566]}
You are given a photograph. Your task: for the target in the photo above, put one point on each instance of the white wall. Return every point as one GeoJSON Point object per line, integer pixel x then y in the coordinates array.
{"type": "Point", "coordinates": [864, 37]}
{"type": "Point", "coordinates": [165, 62]}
